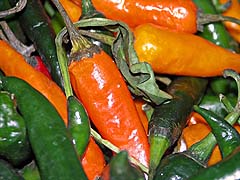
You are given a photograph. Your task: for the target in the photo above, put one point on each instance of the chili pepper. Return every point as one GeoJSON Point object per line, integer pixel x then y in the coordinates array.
{"type": "Point", "coordinates": [78, 124]}
{"type": "Point", "coordinates": [226, 169]}
{"type": "Point", "coordinates": [120, 168]}
{"type": "Point", "coordinates": [13, 64]}
{"type": "Point", "coordinates": [180, 15]}
{"type": "Point", "coordinates": [14, 145]}
{"type": "Point", "coordinates": [36, 25]}
{"type": "Point", "coordinates": [174, 53]}
{"type": "Point", "coordinates": [48, 136]}
{"type": "Point", "coordinates": [216, 31]}
{"type": "Point", "coordinates": [169, 119]}
{"type": "Point", "coordinates": [8, 172]}
{"type": "Point", "coordinates": [227, 137]}
{"type": "Point", "coordinates": [99, 85]}
{"type": "Point", "coordinates": [91, 157]}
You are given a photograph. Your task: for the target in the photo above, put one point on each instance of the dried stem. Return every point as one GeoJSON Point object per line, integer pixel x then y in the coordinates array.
{"type": "Point", "coordinates": [19, 6]}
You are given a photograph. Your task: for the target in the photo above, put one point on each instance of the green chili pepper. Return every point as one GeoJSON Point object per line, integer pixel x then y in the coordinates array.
{"type": "Point", "coordinates": [7, 172]}
{"type": "Point", "coordinates": [121, 169]}
{"type": "Point", "coordinates": [169, 119]}
{"type": "Point", "coordinates": [48, 135]}
{"type": "Point", "coordinates": [14, 145]}
{"type": "Point", "coordinates": [78, 125]}
{"type": "Point", "coordinates": [37, 27]}
{"type": "Point", "coordinates": [227, 137]}
{"type": "Point", "coordinates": [226, 169]}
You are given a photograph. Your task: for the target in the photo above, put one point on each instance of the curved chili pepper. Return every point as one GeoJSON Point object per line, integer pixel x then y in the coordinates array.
{"type": "Point", "coordinates": [170, 52]}
{"type": "Point", "coordinates": [99, 85]}
{"type": "Point", "coordinates": [180, 15]}
{"type": "Point", "coordinates": [227, 137]}
{"type": "Point", "coordinates": [13, 64]}
{"type": "Point", "coordinates": [48, 136]}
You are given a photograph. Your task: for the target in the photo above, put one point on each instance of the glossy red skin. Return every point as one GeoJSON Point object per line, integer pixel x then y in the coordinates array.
{"type": "Point", "coordinates": [101, 88]}
{"type": "Point", "coordinates": [174, 14]}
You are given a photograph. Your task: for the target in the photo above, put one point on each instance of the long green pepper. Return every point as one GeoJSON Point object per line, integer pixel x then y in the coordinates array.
{"type": "Point", "coordinates": [48, 135]}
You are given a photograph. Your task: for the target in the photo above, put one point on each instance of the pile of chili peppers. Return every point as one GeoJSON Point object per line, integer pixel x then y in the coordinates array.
{"type": "Point", "coordinates": [103, 89]}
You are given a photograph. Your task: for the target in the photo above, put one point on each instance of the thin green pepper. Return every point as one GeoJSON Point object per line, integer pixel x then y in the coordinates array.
{"type": "Point", "coordinates": [169, 119]}
{"type": "Point", "coordinates": [48, 135]}
{"type": "Point", "coordinates": [78, 124]}
{"type": "Point", "coordinates": [14, 144]}
{"type": "Point", "coordinates": [227, 137]}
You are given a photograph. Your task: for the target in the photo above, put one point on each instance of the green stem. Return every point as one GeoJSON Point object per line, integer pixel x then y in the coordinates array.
{"type": "Point", "coordinates": [62, 58]}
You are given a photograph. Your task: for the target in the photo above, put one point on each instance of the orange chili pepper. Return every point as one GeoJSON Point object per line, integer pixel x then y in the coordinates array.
{"type": "Point", "coordinates": [233, 11]}
{"type": "Point", "coordinates": [180, 15]}
{"type": "Point", "coordinates": [101, 88]}
{"type": "Point", "coordinates": [178, 53]}
{"type": "Point", "coordinates": [13, 63]}
{"type": "Point", "coordinates": [93, 161]}
{"type": "Point", "coordinates": [73, 10]}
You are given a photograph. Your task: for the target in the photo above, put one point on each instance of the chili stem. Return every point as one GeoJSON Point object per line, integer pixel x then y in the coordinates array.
{"type": "Point", "coordinates": [62, 59]}
{"type": "Point", "coordinates": [19, 6]}
{"type": "Point", "coordinates": [77, 40]}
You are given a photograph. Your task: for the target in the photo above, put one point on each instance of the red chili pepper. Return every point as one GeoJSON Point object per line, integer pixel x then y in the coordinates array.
{"type": "Point", "coordinates": [179, 14]}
